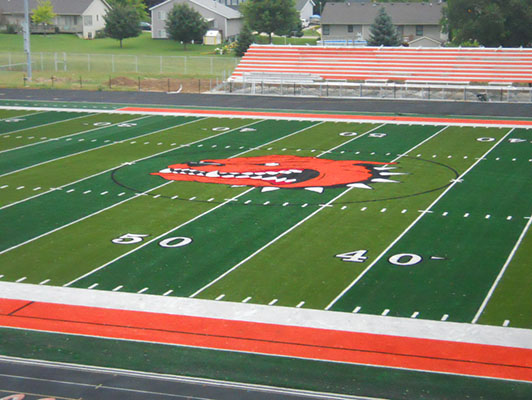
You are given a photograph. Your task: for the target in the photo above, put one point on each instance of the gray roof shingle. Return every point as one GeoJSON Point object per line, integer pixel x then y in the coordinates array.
{"type": "Point", "coordinates": [62, 7]}
{"type": "Point", "coordinates": [364, 13]}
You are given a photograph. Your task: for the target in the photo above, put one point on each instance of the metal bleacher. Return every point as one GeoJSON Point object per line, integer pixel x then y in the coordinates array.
{"type": "Point", "coordinates": [390, 64]}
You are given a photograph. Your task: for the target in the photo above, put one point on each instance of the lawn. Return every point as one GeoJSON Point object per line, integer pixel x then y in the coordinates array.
{"type": "Point", "coordinates": [142, 45]}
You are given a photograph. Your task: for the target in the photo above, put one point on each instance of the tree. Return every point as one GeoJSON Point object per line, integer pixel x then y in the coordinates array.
{"type": "Point", "coordinates": [245, 39]}
{"type": "Point", "coordinates": [270, 16]}
{"type": "Point", "coordinates": [43, 14]}
{"type": "Point", "coordinates": [185, 24]}
{"type": "Point", "coordinates": [492, 23]}
{"type": "Point", "coordinates": [383, 32]}
{"type": "Point", "coordinates": [122, 22]}
{"type": "Point", "coordinates": [138, 5]}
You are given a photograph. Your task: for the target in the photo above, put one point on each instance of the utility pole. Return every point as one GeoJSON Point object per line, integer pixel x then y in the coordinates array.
{"type": "Point", "coordinates": [26, 29]}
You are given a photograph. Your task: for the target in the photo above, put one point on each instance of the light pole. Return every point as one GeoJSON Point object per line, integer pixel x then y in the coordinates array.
{"type": "Point", "coordinates": [26, 29]}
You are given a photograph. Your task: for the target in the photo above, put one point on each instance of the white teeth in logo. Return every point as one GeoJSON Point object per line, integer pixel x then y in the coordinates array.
{"type": "Point", "coordinates": [212, 174]}
{"type": "Point", "coordinates": [166, 171]}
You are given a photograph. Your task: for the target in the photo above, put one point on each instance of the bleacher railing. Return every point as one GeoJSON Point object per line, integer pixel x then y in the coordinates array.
{"type": "Point", "coordinates": [383, 90]}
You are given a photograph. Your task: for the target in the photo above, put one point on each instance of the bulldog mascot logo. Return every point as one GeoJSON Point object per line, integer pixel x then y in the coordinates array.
{"type": "Point", "coordinates": [282, 172]}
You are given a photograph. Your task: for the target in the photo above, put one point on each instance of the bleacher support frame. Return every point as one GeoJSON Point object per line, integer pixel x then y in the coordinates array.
{"type": "Point", "coordinates": [388, 90]}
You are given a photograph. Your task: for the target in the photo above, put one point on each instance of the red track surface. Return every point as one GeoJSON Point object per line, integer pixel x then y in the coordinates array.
{"type": "Point", "coordinates": [321, 344]}
{"type": "Point", "coordinates": [346, 117]}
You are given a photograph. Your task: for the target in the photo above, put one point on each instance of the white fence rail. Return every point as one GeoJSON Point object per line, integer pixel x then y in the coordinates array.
{"type": "Point", "coordinates": [79, 63]}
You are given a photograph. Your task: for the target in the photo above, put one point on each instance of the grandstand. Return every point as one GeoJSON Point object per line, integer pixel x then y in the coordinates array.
{"type": "Point", "coordinates": [270, 63]}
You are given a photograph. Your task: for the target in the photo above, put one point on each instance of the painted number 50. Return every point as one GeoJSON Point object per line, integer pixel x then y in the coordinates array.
{"type": "Point", "coordinates": [171, 242]}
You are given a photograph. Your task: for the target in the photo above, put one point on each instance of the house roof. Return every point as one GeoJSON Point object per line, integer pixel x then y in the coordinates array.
{"type": "Point", "coordinates": [301, 3]}
{"type": "Point", "coordinates": [364, 13]}
{"type": "Point", "coordinates": [67, 7]}
{"type": "Point", "coordinates": [211, 5]}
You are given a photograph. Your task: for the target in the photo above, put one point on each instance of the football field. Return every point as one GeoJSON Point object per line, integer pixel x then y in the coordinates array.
{"type": "Point", "coordinates": [408, 219]}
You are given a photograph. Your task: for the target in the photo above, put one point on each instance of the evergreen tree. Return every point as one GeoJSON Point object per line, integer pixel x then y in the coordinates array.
{"type": "Point", "coordinates": [271, 16]}
{"type": "Point", "coordinates": [43, 14]}
{"type": "Point", "coordinates": [245, 39]}
{"type": "Point", "coordinates": [185, 24]}
{"type": "Point", "coordinates": [122, 22]}
{"type": "Point", "coordinates": [383, 33]}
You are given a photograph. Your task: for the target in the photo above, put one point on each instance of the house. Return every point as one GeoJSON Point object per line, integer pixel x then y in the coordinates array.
{"type": "Point", "coordinates": [82, 17]}
{"type": "Point", "coordinates": [222, 15]}
{"type": "Point", "coordinates": [305, 9]}
{"type": "Point", "coordinates": [219, 17]}
{"type": "Point", "coordinates": [351, 20]}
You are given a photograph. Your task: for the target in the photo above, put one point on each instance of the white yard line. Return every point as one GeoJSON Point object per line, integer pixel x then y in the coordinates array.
{"type": "Point", "coordinates": [137, 160]}
{"type": "Point", "coordinates": [20, 116]}
{"type": "Point", "coordinates": [359, 277]}
{"type": "Point", "coordinates": [89, 150]}
{"type": "Point", "coordinates": [72, 134]}
{"type": "Point", "coordinates": [42, 125]}
{"type": "Point", "coordinates": [155, 238]}
{"type": "Point", "coordinates": [291, 228]}
{"type": "Point", "coordinates": [90, 215]}
{"type": "Point", "coordinates": [193, 219]}
{"type": "Point", "coordinates": [501, 273]}
{"type": "Point", "coordinates": [81, 219]}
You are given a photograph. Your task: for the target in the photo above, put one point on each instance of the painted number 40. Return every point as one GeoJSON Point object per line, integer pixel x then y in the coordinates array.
{"type": "Point", "coordinates": [402, 259]}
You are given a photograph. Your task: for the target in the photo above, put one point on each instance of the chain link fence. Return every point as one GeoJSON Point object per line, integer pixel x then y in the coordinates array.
{"type": "Point", "coordinates": [61, 68]}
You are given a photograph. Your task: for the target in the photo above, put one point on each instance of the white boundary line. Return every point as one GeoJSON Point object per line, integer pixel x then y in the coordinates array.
{"type": "Point", "coordinates": [286, 316]}
{"type": "Point", "coordinates": [501, 273]}
{"type": "Point", "coordinates": [194, 218]}
{"type": "Point", "coordinates": [300, 117]}
{"type": "Point", "coordinates": [43, 125]}
{"type": "Point", "coordinates": [363, 273]}
{"type": "Point", "coordinates": [291, 228]}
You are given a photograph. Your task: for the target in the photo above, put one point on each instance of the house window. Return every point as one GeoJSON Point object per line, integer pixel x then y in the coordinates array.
{"type": "Point", "coordinates": [325, 29]}
{"type": "Point", "coordinates": [419, 30]}
{"type": "Point", "coordinates": [97, 18]}
{"type": "Point", "coordinates": [162, 15]}
{"type": "Point", "coordinates": [162, 33]}
{"type": "Point", "coordinates": [350, 28]}
{"type": "Point", "coordinates": [87, 20]}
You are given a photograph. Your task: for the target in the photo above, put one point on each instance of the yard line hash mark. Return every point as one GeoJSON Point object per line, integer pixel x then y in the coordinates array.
{"type": "Point", "coordinates": [398, 238]}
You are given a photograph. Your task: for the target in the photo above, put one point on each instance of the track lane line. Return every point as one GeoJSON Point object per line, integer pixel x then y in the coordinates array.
{"type": "Point", "coordinates": [363, 273]}
{"type": "Point", "coordinates": [195, 218]}
{"type": "Point", "coordinates": [502, 271]}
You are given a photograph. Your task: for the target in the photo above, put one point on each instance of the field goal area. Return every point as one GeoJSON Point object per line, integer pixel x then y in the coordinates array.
{"type": "Point", "coordinates": [309, 235]}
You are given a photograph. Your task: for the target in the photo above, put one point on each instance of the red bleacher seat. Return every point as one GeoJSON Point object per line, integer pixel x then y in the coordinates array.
{"type": "Point", "coordinates": [391, 63]}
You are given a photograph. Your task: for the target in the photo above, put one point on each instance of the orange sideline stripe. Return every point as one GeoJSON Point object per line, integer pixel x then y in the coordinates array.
{"type": "Point", "coordinates": [225, 113]}
{"type": "Point", "coordinates": [271, 339]}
